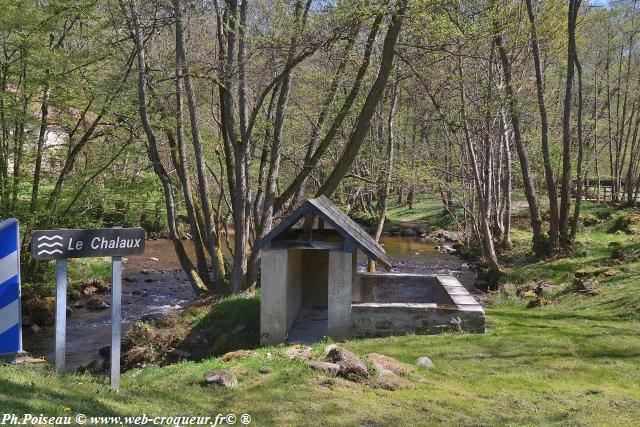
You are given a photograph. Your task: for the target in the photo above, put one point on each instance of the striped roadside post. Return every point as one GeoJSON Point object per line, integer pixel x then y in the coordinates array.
{"type": "Point", "coordinates": [10, 314]}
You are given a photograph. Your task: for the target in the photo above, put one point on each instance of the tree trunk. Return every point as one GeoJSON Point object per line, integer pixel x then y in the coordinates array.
{"type": "Point", "coordinates": [530, 193]}
{"type": "Point", "coordinates": [544, 131]}
{"type": "Point", "coordinates": [42, 135]}
{"type": "Point", "coordinates": [506, 183]}
{"type": "Point", "coordinates": [154, 156]}
{"type": "Point", "coordinates": [203, 183]}
{"type": "Point", "coordinates": [364, 118]}
{"type": "Point", "coordinates": [388, 170]}
{"type": "Point", "coordinates": [565, 187]}
{"type": "Point", "coordinates": [579, 177]}
{"type": "Point", "coordinates": [487, 237]}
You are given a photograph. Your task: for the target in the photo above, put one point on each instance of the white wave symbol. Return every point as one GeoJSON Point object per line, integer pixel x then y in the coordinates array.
{"type": "Point", "coordinates": [49, 245]}
{"type": "Point", "coordinates": [44, 251]}
{"type": "Point", "coordinates": [49, 238]}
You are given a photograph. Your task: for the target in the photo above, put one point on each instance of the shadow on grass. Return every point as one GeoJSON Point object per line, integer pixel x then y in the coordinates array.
{"type": "Point", "coordinates": [22, 399]}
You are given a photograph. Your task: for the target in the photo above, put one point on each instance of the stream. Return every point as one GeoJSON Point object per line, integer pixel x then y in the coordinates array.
{"type": "Point", "coordinates": [153, 284]}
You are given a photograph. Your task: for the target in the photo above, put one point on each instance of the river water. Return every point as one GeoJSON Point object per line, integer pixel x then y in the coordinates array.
{"type": "Point", "coordinates": [154, 284]}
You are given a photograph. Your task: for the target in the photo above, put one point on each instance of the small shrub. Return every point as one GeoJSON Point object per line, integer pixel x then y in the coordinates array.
{"type": "Point", "coordinates": [589, 220]}
{"type": "Point", "coordinates": [537, 302]}
{"type": "Point", "coordinates": [603, 214]}
{"type": "Point", "coordinates": [586, 285]}
{"type": "Point", "coordinates": [509, 289]}
{"type": "Point", "coordinates": [626, 223]}
{"type": "Point", "coordinates": [618, 252]}
{"type": "Point", "coordinates": [577, 250]}
{"type": "Point", "coordinates": [40, 311]}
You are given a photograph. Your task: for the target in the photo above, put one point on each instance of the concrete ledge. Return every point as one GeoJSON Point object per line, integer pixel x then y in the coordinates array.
{"type": "Point", "coordinates": [457, 310]}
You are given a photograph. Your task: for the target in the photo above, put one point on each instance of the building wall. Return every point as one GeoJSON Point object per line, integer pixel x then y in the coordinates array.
{"type": "Point", "coordinates": [315, 278]}
{"type": "Point", "coordinates": [281, 293]}
{"type": "Point", "coordinates": [291, 278]}
{"type": "Point", "coordinates": [340, 294]}
{"type": "Point", "coordinates": [294, 285]}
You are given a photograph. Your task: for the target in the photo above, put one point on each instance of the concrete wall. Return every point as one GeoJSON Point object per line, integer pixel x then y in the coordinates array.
{"type": "Point", "coordinates": [340, 294]}
{"type": "Point", "coordinates": [281, 293]}
{"type": "Point", "coordinates": [381, 314]}
{"type": "Point", "coordinates": [294, 289]}
{"type": "Point", "coordinates": [384, 319]}
{"type": "Point", "coordinates": [315, 276]}
{"type": "Point", "coordinates": [355, 277]}
{"type": "Point", "coordinates": [401, 287]}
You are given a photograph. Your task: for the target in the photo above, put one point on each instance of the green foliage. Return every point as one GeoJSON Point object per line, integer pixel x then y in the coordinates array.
{"type": "Point", "coordinates": [628, 223]}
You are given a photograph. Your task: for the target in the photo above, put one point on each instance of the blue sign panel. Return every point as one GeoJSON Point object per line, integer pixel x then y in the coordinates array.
{"type": "Point", "coordinates": [10, 322]}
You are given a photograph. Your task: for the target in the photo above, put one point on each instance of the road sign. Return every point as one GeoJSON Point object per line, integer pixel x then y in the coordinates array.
{"type": "Point", "coordinates": [63, 244]}
{"type": "Point", "coordinates": [10, 317]}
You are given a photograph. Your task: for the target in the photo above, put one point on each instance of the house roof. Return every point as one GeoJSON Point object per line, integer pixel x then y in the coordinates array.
{"type": "Point", "coordinates": [330, 214]}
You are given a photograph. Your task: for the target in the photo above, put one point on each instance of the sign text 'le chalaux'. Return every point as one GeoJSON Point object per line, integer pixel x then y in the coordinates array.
{"type": "Point", "coordinates": [60, 244]}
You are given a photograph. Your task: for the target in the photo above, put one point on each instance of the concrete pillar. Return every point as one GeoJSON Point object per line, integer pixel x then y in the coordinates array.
{"type": "Point", "coordinates": [356, 294]}
{"type": "Point", "coordinates": [340, 294]}
{"type": "Point", "coordinates": [273, 297]}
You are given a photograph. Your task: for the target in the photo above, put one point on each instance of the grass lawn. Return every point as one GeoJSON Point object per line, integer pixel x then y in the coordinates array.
{"type": "Point", "coordinates": [531, 367]}
{"type": "Point", "coordinates": [575, 361]}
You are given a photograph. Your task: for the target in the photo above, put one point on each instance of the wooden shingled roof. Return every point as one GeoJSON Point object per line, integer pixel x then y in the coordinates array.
{"type": "Point", "coordinates": [338, 220]}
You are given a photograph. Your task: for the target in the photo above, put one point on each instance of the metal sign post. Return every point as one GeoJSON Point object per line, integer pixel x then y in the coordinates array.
{"type": "Point", "coordinates": [116, 320]}
{"type": "Point", "coordinates": [63, 244]}
{"type": "Point", "coordinates": [61, 312]}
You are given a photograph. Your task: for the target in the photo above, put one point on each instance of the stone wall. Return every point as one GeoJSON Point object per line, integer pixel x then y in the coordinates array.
{"type": "Point", "coordinates": [401, 287]}
{"type": "Point", "coordinates": [462, 313]}
{"type": "Point", "coordinates": [294, 288]}
{"type": "Point", "coordinates": [315, 277]}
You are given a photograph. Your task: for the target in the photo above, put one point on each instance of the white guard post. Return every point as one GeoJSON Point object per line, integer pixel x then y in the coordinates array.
{"type": "Point", "coordinates": [10, 316]}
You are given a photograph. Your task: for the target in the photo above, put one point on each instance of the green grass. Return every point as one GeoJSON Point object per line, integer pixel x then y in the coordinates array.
{"type": "Point", "coordinates": [574, 362]}
{"type": "Point", "coordinates": [426, 215]}
{"type": "Point", "coordinates": [531, 367]}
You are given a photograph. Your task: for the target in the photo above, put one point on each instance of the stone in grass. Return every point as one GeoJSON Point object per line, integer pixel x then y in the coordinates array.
{"type": "Point", "coordinates": [390, 373]}
{"type": "Point", "coordinates": [586, 285]}
{"type": "Point", "coordinates": [425, 362]}
{"type": "Point", "coordinates": [386, 365]}
{"type": "Point", "coordinates": [389, 382]}
{"type": "Point", "coordinates": [265, 369]}
{"type": "Point", "coordinates": [328, 348]}
{"type": "Point", "coordinates": [590, 272]}
{"type": "Point", "coordinates": [328, 368]}
{"type": "Point", "coordinates": [238, 354]}
{"type": "Point", "coordinates": [221, 378]}
{"type": "Point", "coordinates": [298, 352]}
{"type": "Point", "coordinates": [351, 367]}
